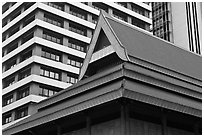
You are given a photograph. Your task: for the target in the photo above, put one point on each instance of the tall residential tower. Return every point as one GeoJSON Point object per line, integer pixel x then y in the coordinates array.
{"type": "Point", "coordinates": [44, 45]}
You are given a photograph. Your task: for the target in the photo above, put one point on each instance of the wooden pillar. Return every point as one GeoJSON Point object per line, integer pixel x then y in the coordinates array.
{"type": "Point", "coordinates": [124, 118]}
{"type": "Point", "coordinates": [88, 123]}
{"type": "Point", "coordinates": [196, 128]}
{"type": "Point", "coordinates": [58, 128]}
{"type": "Point", "coordinates": [163, 122]}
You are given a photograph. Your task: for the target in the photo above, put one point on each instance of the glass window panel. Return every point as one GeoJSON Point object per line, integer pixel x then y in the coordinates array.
{"type": "Point", "coordinates": [44, 36]}
{"type": "Point", "coordinates": [78, 64]}
{"type": "Point", "coordinates": [57, 58]}
{"type": "Point", "coordinates": [51, 92]}
{"type": "Point", "coordinates": [56, 76]}
{"type": "Point", "coordinates": [58, 40]}
{"type": "Point", "coordinates": [72, 80]}
{"type": "Point", "coordinates": [68, 79]}
{"type": "Point", "coordinates": [41, 72]}
{"type": "Point", "coordinates": [68, 61]}
{"type": "Point", "coordinates": [53, 56]}
{"type": "Point", "coordinates": [82, 48]}
{"type": "Point", "coordinates": [46, 73]}
{"type": "Point", "coordinates": [41, 91]}
{"type": "Point", "coordinates": [43, 53]}
{"type": "Point", "coordinates": [54, 39]}
{"type": "Point", "coordinates": [47, 55]}
{"type": "Point", "coordinates": [78, 47]}
{"type": "Point", "coordinates": [45, 91]}
{"type": "Point", "coordinates": [52, 74]}
{"type": "Point", "coordinates": [48, 37]}
{"type": "Point", "coordinates": [74, 46]}
{"type": "Point", "coordinates": [73, 62]}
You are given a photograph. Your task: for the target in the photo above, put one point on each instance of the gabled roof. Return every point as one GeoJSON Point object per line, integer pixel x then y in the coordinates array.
{"type": "Point", "coordinates": [131, 42]}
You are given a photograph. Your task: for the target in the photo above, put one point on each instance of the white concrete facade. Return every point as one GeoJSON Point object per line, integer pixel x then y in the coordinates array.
{"type": "Point", "coordinates": [36, 58]}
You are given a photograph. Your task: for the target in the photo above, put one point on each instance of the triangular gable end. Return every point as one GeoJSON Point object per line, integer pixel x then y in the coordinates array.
{"type": "Point", "coordinates": [102, 41]}
{"type": "Point", "coordinates": [103, 37]}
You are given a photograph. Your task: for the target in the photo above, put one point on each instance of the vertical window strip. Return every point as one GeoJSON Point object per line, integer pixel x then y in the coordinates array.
{"type": "Point", "coordinates": [188, 24]}
{"type": "Point", "coordinates": [194, 25]}
{"type": "Point", "coordinates": [197, 30]}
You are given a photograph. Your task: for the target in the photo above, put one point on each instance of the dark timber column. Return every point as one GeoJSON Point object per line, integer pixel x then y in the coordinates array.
{"type": "Point", "coordinates": [196, 128]}
{"type": "Point", "coordinates": [58, 128]}
{"type": "Point", "coordinates": [88, 122]}
{"type": "Point", "coordinates": [163, 122]}
{"type": "Point", "coordinates": [124, 118]}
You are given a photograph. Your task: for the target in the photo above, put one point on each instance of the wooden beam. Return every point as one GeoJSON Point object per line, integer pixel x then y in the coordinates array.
{"type": "Point", "coordinates": [163, 122]}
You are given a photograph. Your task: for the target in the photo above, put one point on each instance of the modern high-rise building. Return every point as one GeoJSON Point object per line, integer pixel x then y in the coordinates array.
{"type": "Point", "coordinates": [44, 45]}
{"type": "Point", "coordinates": [179, 23]}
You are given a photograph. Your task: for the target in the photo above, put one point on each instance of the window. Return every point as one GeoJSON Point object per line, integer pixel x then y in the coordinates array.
{"type": "Point", "coordinates": [9, 82]}
{"type": "Point", "coordinates": [50, 55]}
{"type": "Point", "coordinates": [71, 78]}
{"type": "Point", "coordinates": [56, 5]}
{"type": "Point", "coordinates": [77, 29]}
{"type": "Point", "coordinates": [49, 73]}
{"type": "Point", "coordinates": [7, 118]}
{"type": "Point", "coordinates": [14, 30]}
{"type": "Point", "coordinates": [27, 37]}
{"type": "Point", "coordinates": [74, 61]}
{"type": "Point", "coordinates": [11, 64]}
{"type": "Point", "coordinates": [124, 4]}
{"type": "Point", "coordinates": [52, 20]}
{"type": "Point", "coordinates": [25, 73]}
{"type": "Point", "coordinates": [28, 5]}
{"type": "Point", "coordinates": [5, 8]}
{"type": "Point", "coordinates": [4, 23]}
{"type": "Point", "coordinates": [15, 14]}
{"type": "Point", "coordinates": [94, 19]}
{"type": "Point", "coordinates": [22, 112]}
{"type": "Point", "coordinates": [119, 15]}
{"type": "Point", "coordinates": [47, 92]}
{"type": "Point", "coordinates": [23, 93]}
{"type": "Point", "coordinates": [140, 10]}
{"type": "Point", "coordinates": [12, 47]}
{"type": "Point", "coordinates": [51, 37]}
{"type": "Point", "coordinates": [26, 55]}
{"type": "Point", "coordinates": [76, 46]}
{"type": "Point", "coordinates": [139, 23]}
{"type": "Point", "coordinates": [99, 6]}
{"type": "Point", "coordinates": [28, 20]}
{"type": "Point", "coordinates": [7, 99]}
{"type": "Point", "coordinates": [77, 13]}
{"type": "Point", "coordinates": [3, 38]}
